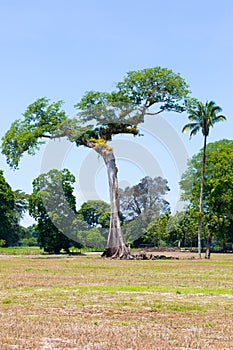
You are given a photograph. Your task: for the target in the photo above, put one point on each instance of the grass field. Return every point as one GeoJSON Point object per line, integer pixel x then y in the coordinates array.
{"type": "Point", "coordinates": [84, 302]}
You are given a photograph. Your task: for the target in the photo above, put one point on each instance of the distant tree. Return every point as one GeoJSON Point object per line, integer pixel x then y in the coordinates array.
{"type": "Point", "coordinates": [28, 236]}
{"type": "Point", "coordinates": [51, 201]}
{"type": "Point", "coordinates": [182, 228]}
{"type": "Point", "coordinates": [21, 206]}
{"type": "Point", "coordinates": [21, 203]}
{"type": "Point", "coordinates": [146, 197]}
{"type": "Point", "coordinates": [30, 231]}
{"type": "Point", "coordinates": [29, 242]}
{"type": "Point", "coordinates": [142, 202]}
{"type": "Point", "coordinates": [134, 230]}
{"type": "Point", "coordinates": [202, 117]}
{"type": "Point", "coordinates": [2, 243]}
{"type": "Point", "coordinates": [156, 232]}
{"type": "Point", "coordinates": [95, 213]}
{"type": "Point", "coordinates": [217, 192]}
{"type": "Point", "coordinates": [91, 238]}
{"type": "Point", "coordinates": [8, 229]}
{"type": "Point", "coordinates": [12, 211]}
{"type": "Point", "coordinates": [101, 116]}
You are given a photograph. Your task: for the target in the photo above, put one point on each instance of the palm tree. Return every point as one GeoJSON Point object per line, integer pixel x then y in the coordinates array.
{"type": "Point", "coordinates": [202, 117]}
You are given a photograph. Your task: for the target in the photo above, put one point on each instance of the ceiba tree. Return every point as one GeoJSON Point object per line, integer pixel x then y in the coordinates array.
{"type": "Point", "coordinates": [101, 115]}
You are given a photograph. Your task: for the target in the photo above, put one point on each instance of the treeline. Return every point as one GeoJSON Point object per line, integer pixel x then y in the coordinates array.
{"type": "Point", "coordinates": [145, 215]}
{"type": "Point", "coordinates": [99, 117]}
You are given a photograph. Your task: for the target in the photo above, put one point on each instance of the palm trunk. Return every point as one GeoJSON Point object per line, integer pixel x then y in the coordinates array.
{"type": "Point", "coordinates": [208, 246]}
{"type": "Point", "coordinates": [201, 198]}
{"type": "Point", "coordinates": [116, 246]}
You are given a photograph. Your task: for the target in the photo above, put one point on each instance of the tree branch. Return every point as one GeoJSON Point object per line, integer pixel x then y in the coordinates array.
{"type": "Point", "coordinates": [154, 113]}
{"type": "Point", "coordinates": [48, 137]}
{"type": "Point", "coordinates": [88, 143]}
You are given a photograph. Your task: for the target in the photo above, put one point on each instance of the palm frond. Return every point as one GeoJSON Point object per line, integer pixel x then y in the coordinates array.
{"type": "Point", "coordinates": [211, 105]}
{"type": "Point", "coordinates": [219, 118]}
{"type": "Point", "coordinates": [186, 128]}
{"type": "Point", "coordinates": [194, 117]}
{"type": "Point", "coordinates": [203, 116]}
{"type": "Point", "coordinates": [194, 131]}
{"type": "Point", "coordinates": [190, 126]}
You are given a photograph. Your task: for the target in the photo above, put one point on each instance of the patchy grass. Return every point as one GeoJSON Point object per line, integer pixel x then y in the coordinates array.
{"type": "Point", "coordinates": [21, 251]}
{"type": "Point", "coordinates": [84, 302]}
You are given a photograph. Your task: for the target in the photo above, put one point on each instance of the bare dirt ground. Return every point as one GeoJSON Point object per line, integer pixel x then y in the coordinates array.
{"type": "Point", "coordinates": [85, 302]}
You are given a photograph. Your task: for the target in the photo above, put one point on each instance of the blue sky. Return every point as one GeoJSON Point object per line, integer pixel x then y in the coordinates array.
{"type": "Point", "coordinates": [60, 49]}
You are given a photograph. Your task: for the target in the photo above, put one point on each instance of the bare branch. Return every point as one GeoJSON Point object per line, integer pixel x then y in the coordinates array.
{"type": "Point", "coordinates": [153, 113]}
{"type": "Point", "coordinates": [48, 136]}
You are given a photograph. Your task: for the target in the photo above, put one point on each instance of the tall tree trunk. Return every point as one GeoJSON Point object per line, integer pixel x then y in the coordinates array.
{"type": "Point", "coordinates": [116, 246]}
{"type": "Point", "coordinates": [201, 198]}
{"type": "Point", "coordinates": [208, 246]}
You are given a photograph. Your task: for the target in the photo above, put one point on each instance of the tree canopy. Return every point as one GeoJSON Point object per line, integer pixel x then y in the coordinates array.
{"type": "Point", "coordinates": [51, 204]}
{"type": "Point", "coordinates": [202, 117]}
{"type": "Point", "coordinates": [146, 197]}
{"type": "Point", "coordinates": [114, 112]}
{"type": "Point", "coordinates": [95, 213]}
{"type": "Point", "coordinates": [218, 190]}
{"type": "Point", "coordinates": [140, 204]}
{"type": "Point", "coordinates": [8, 232]}
{"type": "Point", "coordinates": [156, 232]}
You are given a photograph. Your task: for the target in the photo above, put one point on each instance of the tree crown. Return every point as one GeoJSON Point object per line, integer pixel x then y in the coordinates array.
{"type": "Point", "coordinates": [202, 117]}
{"type": "Point", "coordinates": [100, 114]}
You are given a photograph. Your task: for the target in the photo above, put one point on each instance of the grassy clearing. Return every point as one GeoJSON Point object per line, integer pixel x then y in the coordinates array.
{"type": "Point", "coordinates": [21, 250]}
{"type": "Point", "coordinates": [85, 302]}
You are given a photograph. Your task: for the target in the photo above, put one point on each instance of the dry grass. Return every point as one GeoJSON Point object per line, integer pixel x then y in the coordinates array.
{"type": "Point", "coordinates": [90, 303]}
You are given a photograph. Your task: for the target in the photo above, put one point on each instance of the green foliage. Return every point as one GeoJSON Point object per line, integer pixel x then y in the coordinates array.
{"type": "Point", "coordinates": [91, 238]}
{"type": "Point", "coordinates": [140, 203]}
{"type": "Point", "coordinates": [218, 189]}
{"type": "Point", "coordinates": [122, 110]}
{"type": "Point", "coordinates": [6, 196]}
{"type": "Point", "coordinates": [146, 197]}
{"type": "Point", "coordinates": [182, 229]}
{"type": "Point", "coordinates": [29, 242]}
{"type": "Point", "coordinates": [28, 236]}
{"type": "Point", "coordinates": [202, 117]}
{"type": "Point", "coordinates": [21, 204]}
{"type": "Point", "coordinates": [156, 232]}
{"type": "Point", "coordinates": [40, 120]}
{"type": "Point", "coordinates": [95, 213]}
{"type": "Point", "coordinates": [52, 204]}
{"type": "Point", "coordinates": [2, 242]}
{"type": "Point", "coordinates": [110, 113]}
{"type": "Point", "coordinates": [9, 220]}
{"type": "Point", "coordinates": [154, 86]}
{"type": "Point", "coordinates": [134, 229]}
